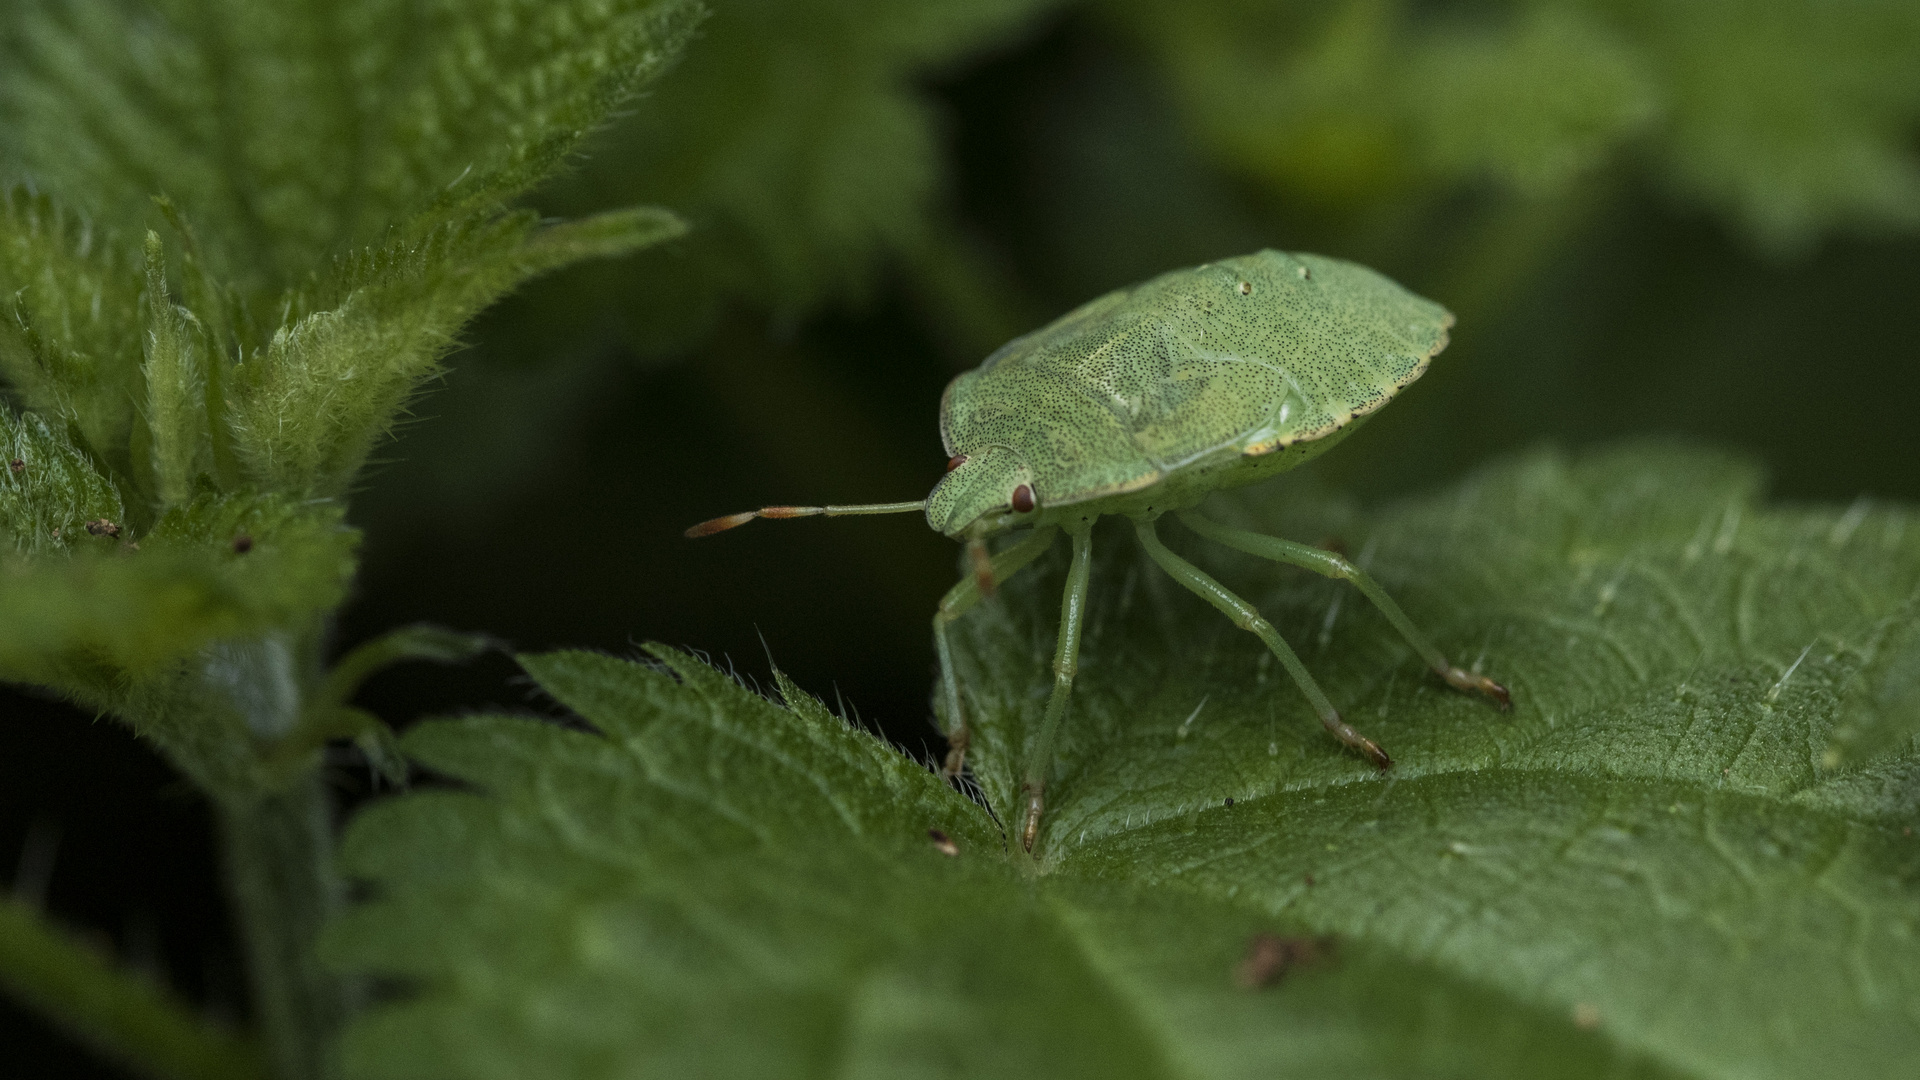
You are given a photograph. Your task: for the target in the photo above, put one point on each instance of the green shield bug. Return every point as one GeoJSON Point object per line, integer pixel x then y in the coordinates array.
{"type": "Point", "coordinates": [1141, 403]}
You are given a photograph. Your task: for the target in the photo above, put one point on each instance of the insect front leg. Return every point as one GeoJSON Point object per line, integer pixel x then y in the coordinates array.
{"type": "Point", "coordinates": [1327, 564]}
{"type": "Point", "coordinates": [958, 601]}
{"type": "Point", "coordinates": [1066, 660]}
{"type": "Point", "coordinates": [1246, 617]}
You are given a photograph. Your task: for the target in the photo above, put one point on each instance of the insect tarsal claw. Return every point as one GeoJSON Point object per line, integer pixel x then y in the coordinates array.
{"type": "Point", "coordinates": [1499, 694]}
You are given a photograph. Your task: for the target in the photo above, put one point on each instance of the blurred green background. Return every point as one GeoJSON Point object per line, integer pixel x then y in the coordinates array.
{"type": "Point", "coordinates": [1693, 220]}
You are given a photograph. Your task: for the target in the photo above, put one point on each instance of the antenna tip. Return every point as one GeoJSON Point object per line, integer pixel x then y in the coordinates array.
{"type": "Point", "coordinates": [720, 524]}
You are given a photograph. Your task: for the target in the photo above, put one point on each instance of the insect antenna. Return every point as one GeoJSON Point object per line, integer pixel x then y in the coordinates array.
{"type": "Point", "coordinates": [722, 524]}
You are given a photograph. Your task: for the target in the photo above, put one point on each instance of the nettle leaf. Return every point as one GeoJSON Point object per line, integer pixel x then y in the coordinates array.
{"type": "Point", "coordinates": [70, 318]}
{"type": "Point", "coordinates": [793, 138]}
{"type": "Point", "coordinates": [50, 488]}
{"type": "Point", "coordinates": [308, 409]}
{"type": "Point", "coordinates": [1661, 863]}
{"type": "Point", "coordinates": [176, 372]}
{"type": "Point", "coordinates": [115, 611]}
{"type": "Point", "coordinates": [1789, 118]}
{"type": "Point", "coordinates": [291, 133]}
{"type": "Point", "coordinates": [1536, 103]}
{"type": "Point", "coordinates": [322, 192]}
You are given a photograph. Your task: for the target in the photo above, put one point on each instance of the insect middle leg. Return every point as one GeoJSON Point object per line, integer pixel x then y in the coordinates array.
{"type": "Point", "coordinates": [1066, 660]}
{"type": "Point", "coordinates": [1246, 617]}
{"type": "Point", "coordinates": [1327, 564]}
{"type": "Point", "coordinates": [958, 601]}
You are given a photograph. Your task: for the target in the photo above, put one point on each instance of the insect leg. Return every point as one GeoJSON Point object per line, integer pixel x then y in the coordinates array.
{"type": "Point", "coordinates": [958, 601]}
{"type": "Point", "coordinates": [1066, 658]}
{"type": "Point", "coordinates": [1247, 618]}
{"type": "Point", "coordinates": [1327, 564]}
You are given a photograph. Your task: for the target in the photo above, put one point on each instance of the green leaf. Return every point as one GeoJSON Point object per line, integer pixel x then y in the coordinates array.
{"type": "Point", "coordinates": [108, 618]}
{"type": "Point", "coordinates": [1535, 103]}
{"type": "Point", "coordinates": [1651, 867]}
{"type": "Point", "coordinates": [120, 1014]}
{"type": "Point", "coordinates": [333, 177]}
{"type": "Point", "coordinates": [176, 377]}
{"type": "Point", "coordinates": [306, 411]}
{"type": "Point", "coordinates": [50, 488]}
{"type": "Point", "coordinates": [1791, 118]}
{"type": "Point", "coordinates": [792, 137]}
{"type": "Point", "coordinates": [70, 319]}
{"type": "Point", "coordinates": [291, 133]}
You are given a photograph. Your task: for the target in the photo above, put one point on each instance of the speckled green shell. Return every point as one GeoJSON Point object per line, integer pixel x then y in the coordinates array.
{"type": "Point", "coordinates": [1202, 378]}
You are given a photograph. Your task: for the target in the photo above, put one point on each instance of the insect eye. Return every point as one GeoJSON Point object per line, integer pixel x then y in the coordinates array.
{"type": "Point", "coordinates": [1246, 288]}
{"type": "Point", "coordinates": [956, 461]}
{"type": "Point", "coordinates": [1023, 499]}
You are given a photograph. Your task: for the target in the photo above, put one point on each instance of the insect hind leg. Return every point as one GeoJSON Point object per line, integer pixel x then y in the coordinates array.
{"type": "Point", "coordinates": [1248, 618]}
{"type": "Point", "coordinates": [959, 600]}
{"type": "Point", "coordinates": [1328, 564]}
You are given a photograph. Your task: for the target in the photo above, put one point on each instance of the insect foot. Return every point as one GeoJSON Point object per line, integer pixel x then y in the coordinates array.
{"type": "Point", "coordinates": [1478, 684]}
{"type": "Point", "coordinates": [1367, 747]}
{"type": "Point", "coordinates": [956, 753]}
{"type": "Point", "coordinates": [1036, 802]}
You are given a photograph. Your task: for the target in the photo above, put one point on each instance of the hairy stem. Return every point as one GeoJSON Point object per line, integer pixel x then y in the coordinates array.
{"type": "Point", "coordinates": [279, 865]}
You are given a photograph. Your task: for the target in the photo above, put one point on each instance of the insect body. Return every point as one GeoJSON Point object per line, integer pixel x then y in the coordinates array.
{"type": "Point", "coordinates": [1143, 402]}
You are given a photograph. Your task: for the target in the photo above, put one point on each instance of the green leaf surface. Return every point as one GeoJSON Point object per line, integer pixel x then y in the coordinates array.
{"type": "Point", "coordinates": [70, 318]}
{"type": "Point", "coordinates": [291, 132]}
{"type": "Point", "coordinates": [322, 193]}
{"type": "Point", "coordinates": [331, 381]}
{"type": "Point", "coordinates": [50, 488]}
{"type": "Point", "coordinates": [1662, 863]}
{"type": "Point", "coordinates": [119, 1013]}
{"type": "Point", "coordinates": [793, 138]}
{"type": "Point", "coordinates": [107, 614]}
{"type": "Point", "coordinates": [1789, 118]}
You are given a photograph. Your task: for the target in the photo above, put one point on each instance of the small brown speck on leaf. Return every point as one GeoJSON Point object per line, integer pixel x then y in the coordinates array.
{"type": "Point", "coordinates": [242, 544]}
{"type": "Point", "coordinates": [943, 843]}
{"type": "Point", "coordinates": [17, 466]}
{"type": "Point", "coordinates": [1586, 1016]}
{"type": "Point", "coordinates": [1229, 802]}
{"type": "Point", "coordinates": [103, 527]}
{"type": "Point", "coordinates": [1270, 956]}
{"type": "Point", "coordinates": [1309, 881]}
